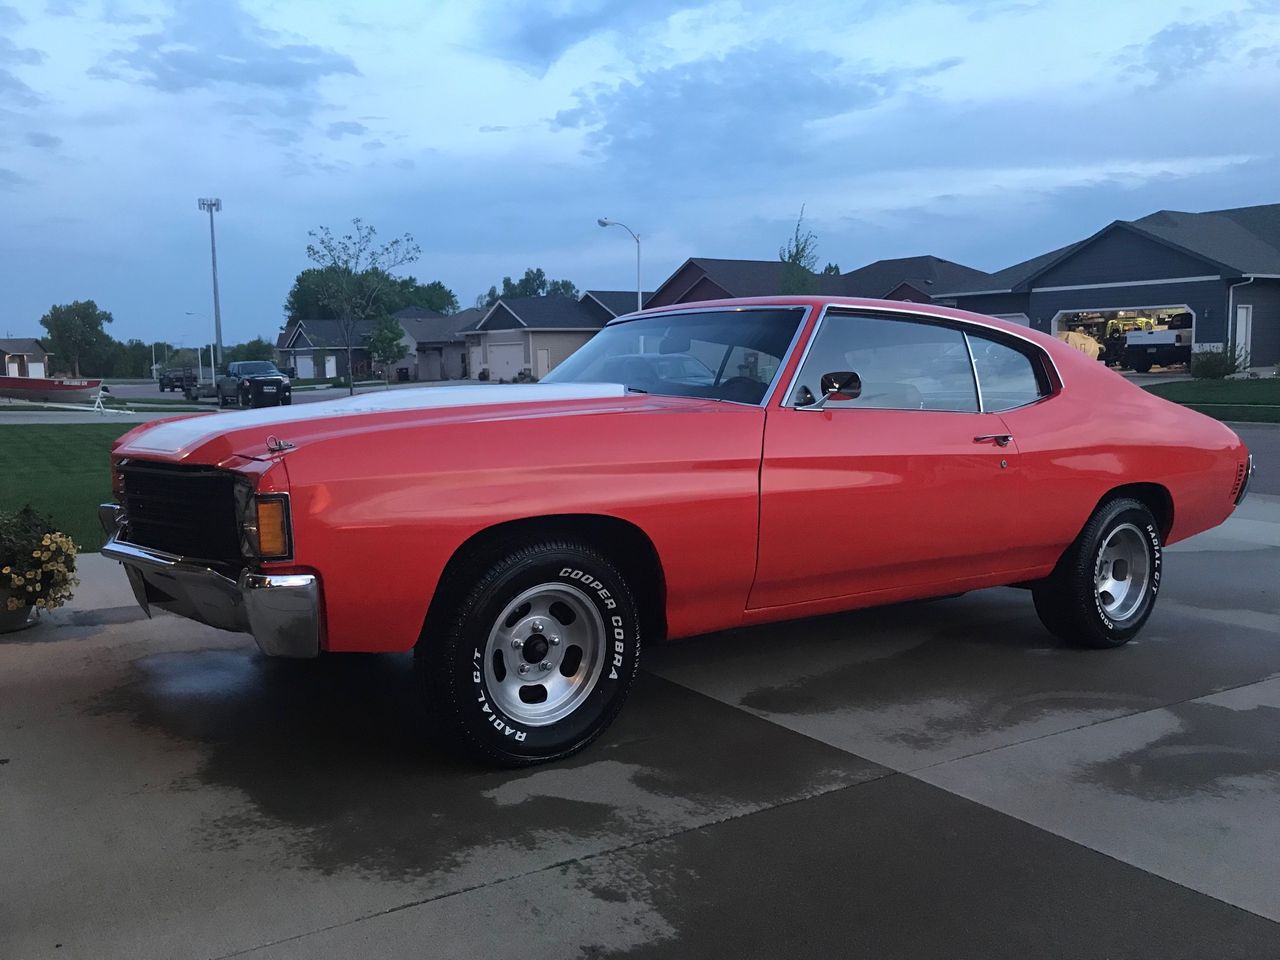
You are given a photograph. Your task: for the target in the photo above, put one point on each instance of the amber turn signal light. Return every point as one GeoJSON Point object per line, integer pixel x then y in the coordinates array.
{"type": "Point", "coordinates": [273, 528]}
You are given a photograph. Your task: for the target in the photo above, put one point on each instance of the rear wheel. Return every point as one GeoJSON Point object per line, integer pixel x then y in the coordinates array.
{"type": "Point", "coordinates": [1104, 587]}
{"type": "Point", "coordinates": [1141, 366]}
{"type": "Point", "coordinates": [535, 659]}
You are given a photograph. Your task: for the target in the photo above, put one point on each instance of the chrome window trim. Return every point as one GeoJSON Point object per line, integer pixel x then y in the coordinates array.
{"type": "Point", "coordinates": [806, 310]}
{"type": "Point", "coordinates": [962, 325]}
{"type": "Point", "coordinates": [973, 368]}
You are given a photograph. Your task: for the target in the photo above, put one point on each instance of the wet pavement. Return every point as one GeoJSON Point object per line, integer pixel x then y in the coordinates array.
{"type": "Point", "coordinates": [934, 779]}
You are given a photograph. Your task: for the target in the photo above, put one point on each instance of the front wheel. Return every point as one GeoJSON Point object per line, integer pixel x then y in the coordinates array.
{"type": "Point", "coordinates": [536, 658]}
{"type": "Point", "coordinates": [1104, 587]}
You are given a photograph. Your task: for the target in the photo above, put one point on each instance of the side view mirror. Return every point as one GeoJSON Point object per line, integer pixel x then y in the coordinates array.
{"type": "Point", "coordinates": [842, 385]}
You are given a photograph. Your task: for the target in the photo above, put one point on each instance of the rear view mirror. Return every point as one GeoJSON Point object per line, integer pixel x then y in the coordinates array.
{"type": "Point", "coordinates": [842, 385]}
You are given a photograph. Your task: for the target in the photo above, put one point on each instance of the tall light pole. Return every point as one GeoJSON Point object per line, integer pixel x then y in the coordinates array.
{"type": "Point", "coordinates": [214, 205]}
{"type": "Point", "coordinates": [606, 222]}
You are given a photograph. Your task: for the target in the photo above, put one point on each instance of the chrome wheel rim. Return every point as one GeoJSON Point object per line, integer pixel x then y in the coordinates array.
{"type": "Point", "coordinates": [1122, 572]}
{"type": "Point", "coordinates": [545, 654]}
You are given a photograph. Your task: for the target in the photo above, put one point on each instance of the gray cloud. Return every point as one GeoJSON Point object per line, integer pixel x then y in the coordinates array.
{"type": "Point", "coordinates": [204, 45]}
{"type": "Point", "coordinates": [345, 128]}
{"type": "Point", "coordinates": [535, 35]}
{"type": "Point", "coordinates": [10, 17]}
{"type": "Point", "coordinates": [9, 180]}
{"type": "Point", "coordinates": [1178, 50]}
{"type": "Point", "coordinates": [493, 128]}
{"type": "Point", "coordinates": [714, 116]}
{"type": "Point", "coordinates": [43, 141]}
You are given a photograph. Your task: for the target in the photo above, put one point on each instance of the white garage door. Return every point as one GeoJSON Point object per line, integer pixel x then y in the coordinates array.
{"type": "Point", "coordinates": [505, 360]}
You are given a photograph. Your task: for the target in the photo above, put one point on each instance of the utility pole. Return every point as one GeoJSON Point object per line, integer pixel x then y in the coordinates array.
{"type": "Point", "coordinates": [214, 205]}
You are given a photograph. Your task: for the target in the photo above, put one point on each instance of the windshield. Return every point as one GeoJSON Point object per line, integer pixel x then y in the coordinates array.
{"type": "Point", "coordinates": [255, 366]}
{"type": "Point", "coordinates": [720, 355]}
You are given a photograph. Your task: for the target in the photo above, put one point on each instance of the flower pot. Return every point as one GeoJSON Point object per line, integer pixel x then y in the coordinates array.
{"type": "Point", "coordinates": [11, 620]}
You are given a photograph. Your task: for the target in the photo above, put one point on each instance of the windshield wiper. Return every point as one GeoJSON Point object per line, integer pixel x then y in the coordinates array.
{"type": "Point", "coordinates": [631, 389]}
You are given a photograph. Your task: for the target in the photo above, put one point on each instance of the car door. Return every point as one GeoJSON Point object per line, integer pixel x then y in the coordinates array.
{"type": "Point", "coordinates": [902, 488]}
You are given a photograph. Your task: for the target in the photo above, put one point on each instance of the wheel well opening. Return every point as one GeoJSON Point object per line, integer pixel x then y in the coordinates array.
{"type": "Point", "coordinates": [1156, 498]}
{"type": "Point", "coordinates": [620, 540]}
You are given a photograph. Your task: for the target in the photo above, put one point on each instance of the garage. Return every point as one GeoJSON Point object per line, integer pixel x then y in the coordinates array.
{"type": "Point", "coordinates": [1166, 285]}
{"type": "Point", "coordinates": [1137, 339]}
{"type": "Point", "coordinates": [505, 360]}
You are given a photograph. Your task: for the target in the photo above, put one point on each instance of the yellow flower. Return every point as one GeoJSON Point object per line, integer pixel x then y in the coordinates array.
{"type": "Point", "coordinates": [35, 553]}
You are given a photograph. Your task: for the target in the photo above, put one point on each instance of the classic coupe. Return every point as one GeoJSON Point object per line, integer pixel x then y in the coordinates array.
{"type": "Point", "coordinates": [691, 468]}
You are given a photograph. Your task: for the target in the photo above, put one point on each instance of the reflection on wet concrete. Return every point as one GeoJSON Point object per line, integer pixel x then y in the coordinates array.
{"type": "Point", "coordinates": [1214, 747]}
{"type": "Point", "coordinates": [979, 672]}
{"type": "Point", "coordinates": [336, 751]}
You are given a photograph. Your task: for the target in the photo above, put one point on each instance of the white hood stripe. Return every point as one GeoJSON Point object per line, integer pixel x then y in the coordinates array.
{"type": "Point", "coordinates": [184, 435]}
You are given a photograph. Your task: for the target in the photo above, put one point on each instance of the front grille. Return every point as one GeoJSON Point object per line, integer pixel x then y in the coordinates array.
{"type": "Point", "coordinates": [188, 511]}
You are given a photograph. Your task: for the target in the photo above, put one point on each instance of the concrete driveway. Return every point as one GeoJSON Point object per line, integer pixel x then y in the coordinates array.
{"type": "Point", "coordinates": [929, 780]}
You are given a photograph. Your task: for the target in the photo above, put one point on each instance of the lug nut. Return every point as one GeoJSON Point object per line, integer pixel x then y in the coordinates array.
{"type": "Point", "coordinates": [546, 664]}
{"type": "Point", "coordinates": [523, 668]}
{"type": "Point", "coordinates": [537, 626]}
{"type": "Point", "coordinates": [555, 641]}
{"type": "Point", "coordinates": [517, 644]}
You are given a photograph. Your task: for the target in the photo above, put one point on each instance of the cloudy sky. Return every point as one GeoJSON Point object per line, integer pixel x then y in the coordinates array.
{"type": "Point", "coordinates": [496, 131]}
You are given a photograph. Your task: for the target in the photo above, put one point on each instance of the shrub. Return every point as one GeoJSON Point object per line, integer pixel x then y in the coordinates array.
{"type": "Point", "coordinates": [37, 561]}
{"type": "Point", "coordinates": [1216, 364]}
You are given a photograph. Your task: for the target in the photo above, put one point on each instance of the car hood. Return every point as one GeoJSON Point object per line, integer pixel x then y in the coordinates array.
{"type": "Point", "coordinates": [214, 438]}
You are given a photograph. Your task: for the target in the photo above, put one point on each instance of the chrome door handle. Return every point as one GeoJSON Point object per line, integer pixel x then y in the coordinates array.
{"type": "Point", "coordinates": [1000, 439]}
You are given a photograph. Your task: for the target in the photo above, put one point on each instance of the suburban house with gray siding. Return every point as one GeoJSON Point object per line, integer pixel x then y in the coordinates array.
{"type": "Point", "coordinates": [1221, 267]}
{"type": "Point", "coordinates": [902, 278]}
{"type": "Point", "coordinates": [536, 334]}
{"type": "Point", "coordinates": [23, 357]}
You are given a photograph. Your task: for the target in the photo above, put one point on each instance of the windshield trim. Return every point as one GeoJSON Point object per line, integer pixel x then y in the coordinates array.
{"type": "Point", "coordinates": [804, 309]}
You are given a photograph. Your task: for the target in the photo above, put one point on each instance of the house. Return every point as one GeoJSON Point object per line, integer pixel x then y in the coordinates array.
{"type": "Point", "coordinates": [535, 334]}
{"type": "Point", "coordinates": [437, 348]}
{"type": "Point", "coordinates": [23, 357]}
{"type": "Point", "coordinates": [1218, 271]}
{"type": "Point", "coordinates": [907, 278]}
{"type": "Point", "coordinates": [317, 349]}
{"type": "Point", "coordinates": [904, 278]}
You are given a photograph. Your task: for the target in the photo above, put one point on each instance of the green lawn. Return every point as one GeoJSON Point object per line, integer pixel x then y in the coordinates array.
{"type": "Point", "coordinates": [1264, 390]}
{"type": "Point", "coordinates": [1249, 400]}
{"type": "Point", "coordinates": [60, 469]}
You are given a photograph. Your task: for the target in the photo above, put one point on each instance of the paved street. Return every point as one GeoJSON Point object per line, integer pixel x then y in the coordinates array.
{"type": "Point", "coordinates": [929, 780]}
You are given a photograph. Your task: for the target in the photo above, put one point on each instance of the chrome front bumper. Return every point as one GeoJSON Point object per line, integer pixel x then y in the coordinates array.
{"type": "Point", "coordinates": [281, 611]}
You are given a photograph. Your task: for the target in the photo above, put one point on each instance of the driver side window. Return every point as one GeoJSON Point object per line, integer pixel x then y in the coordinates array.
{"type": "Point", "coordinates": [902, 364]}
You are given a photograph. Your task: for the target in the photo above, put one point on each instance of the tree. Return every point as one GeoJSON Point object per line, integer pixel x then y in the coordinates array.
{"type": "Point", "coordinates": [386, 345]}
{"type": "Point", "coordinates": [255, 349]}
{"type": "Point", "coordinates": [76, 331]}
{"type": "Point", "coordinates": [534, 283]}
{"type": "Point", "coordinates": [306, 297]}
{"type": "Point", "coordinates": [799, 256]}
{"type": "Point", "coordinates": [354, 275]}
{"type": "Point", "coordinates": [831, 270]}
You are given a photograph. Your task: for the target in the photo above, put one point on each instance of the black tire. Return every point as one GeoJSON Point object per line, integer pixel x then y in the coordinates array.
{"type": "Point", "coordinates": [1068, 601]}
{"type": "Point", "coordinates": [456, 663]}
{"type": "Point", "coordinates": [243, 399]}
{"type": "Point", "coordinates": [1141, 366]}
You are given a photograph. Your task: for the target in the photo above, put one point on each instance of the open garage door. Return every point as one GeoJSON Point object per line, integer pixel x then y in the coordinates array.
{"type": "Point", "coordinates": [1134, 338]}
{"type": "Point", "coordinates": [505, 360]}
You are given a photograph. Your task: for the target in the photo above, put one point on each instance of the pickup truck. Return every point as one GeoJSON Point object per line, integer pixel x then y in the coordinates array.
{"type": "Point", "coordinates": [253, 383]}
{"type": "Point", "coordinates": [1144, 349]}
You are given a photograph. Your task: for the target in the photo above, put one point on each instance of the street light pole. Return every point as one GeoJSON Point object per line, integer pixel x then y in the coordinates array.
{"type": "Point", "coordinates": [214, 205]}
{"type": "Point", "coordinates": [606, 222]}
